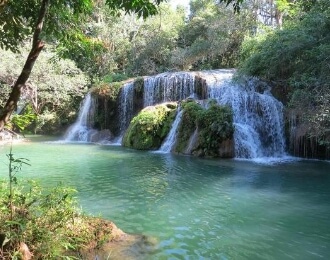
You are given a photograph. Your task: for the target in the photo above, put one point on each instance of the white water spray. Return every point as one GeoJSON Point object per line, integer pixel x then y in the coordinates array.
{"type": "Point", "coordinates": [258, 117]}
{"type": "Point", "coordinates": [167, 87]}
{"type": "Point", "coordinates": [126, 106]}
{"type": "Point", "coordinates": [82, 129]}
{"type": "Point", "coordinates": [170, 139]}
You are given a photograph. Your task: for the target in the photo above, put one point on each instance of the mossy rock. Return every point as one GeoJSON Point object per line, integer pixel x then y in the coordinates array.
{"type": "Point", "coordinates": [149, 128]}
{"type": "Point", "coordinates": [191, 110]}
{"type": "Point", "coordinates": [214, 126]}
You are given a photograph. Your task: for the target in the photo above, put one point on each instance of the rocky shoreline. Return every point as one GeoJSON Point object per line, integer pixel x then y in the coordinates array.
{"type": "Point", "coordinates": [7, 135]}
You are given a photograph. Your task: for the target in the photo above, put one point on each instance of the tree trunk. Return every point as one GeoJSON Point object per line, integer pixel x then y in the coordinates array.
{"type": "Point", "coordinates": [37, 46]}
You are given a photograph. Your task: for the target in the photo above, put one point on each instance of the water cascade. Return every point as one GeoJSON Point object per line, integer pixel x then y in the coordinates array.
{"type": "Point", "coordinates": [191, 142]}
{"type": "Point", "coordinates": [258, 116]}
{"type": "Point", "coordinates": [168, 87]}
{"type": "Point", "coordinates": [171, 137]}
{"type": "Point", "coordinates": [82, 129]}
{"type": "Point", "coordinates": [126, 106]}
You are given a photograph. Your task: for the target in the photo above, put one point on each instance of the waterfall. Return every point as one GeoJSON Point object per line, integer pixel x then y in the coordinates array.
{"type": "Point", "coordinates": [258, 116]}
{"type": "Point", "coordinates": [126, 106]}
{"type": "Point", "coordinates": [191, 143]}
{"type": "Point", "coordinates": [170, 139]}
{"type": "Point", "coordinates": [82, 129]}
{"type": "Point", "coordinates": [168, 87]}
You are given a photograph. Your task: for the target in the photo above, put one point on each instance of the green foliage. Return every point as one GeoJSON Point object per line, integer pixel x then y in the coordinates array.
{"type": "Point", "coordinates": [47, 224]}
{"type": "Point", "coordinates": [64, 19]}
{"type": "Point", "coordinates": [108, 90]}
{"type": "Point", "coordinates": [53, 91]}
{"type": "Point", "coordinates": [17, 20]}
{"type": "Point", "coordinates": [115, 77]}
{"type": "Point", "coordinates": [191, 111]}
{"type": "Point", "coordinates": [87, 53]}
{"type": "Point", "coordinates": [297, 57]}
{"type": "Point", "coordinates": [143, 8]}
{"type": "Point", "coordinates": [149, 128]}
{"type": "Point", "coordinates": [153, 41]}
{"type": "Point", "coordinates": [214, 126]}
{"type": "Point", "coordinates": [40, 220]}
{"type": "Point", "coordinates": [296, 53]}
{"type": "Point", "coordinates": [211, 37]}
{"type": "Point", "coordinates": [22, 121]}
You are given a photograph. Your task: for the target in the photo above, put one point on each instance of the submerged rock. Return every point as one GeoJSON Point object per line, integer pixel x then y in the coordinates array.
{"type": "Point", "coordinates": [101, 136]}
{"type": "Point", "coordinates": [121, 246]}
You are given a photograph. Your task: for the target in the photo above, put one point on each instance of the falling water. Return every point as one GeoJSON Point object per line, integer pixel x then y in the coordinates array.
{"type": "Point", "coordinates": [126, 106]}
{"type": "Point", "coordinates": [82, 129]}
{"type": "Point", "coordinates": [161, 88]}
{"type": "Point", "coordinates": [171, 137]}
{"type": "Point", "coordinates": [258, 117]}
{"type": "Point", "coordinates": [167, 87]}
{"type": "Point", "coordinates": [192, 142]}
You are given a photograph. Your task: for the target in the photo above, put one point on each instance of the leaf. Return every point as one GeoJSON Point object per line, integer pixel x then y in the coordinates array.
{"type": "Point", "coordinates": [5, 241]}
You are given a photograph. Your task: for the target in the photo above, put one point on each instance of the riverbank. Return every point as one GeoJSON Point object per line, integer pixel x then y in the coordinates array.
{"type": "Point", "coordinates": [7, 136]}
{"type": "Point", "coordinates": [41, 223]}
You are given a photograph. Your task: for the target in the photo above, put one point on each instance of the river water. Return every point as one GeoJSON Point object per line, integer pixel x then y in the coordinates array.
{"type": "Point", "coordinates": [193, 208]}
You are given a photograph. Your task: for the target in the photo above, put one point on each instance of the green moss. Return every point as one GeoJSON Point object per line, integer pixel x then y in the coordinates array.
{"type": "Point", "coordinates": [214, 125]}
{"type": "Point", "coordinates": [149, 128]}
{"type": "Point", "coordinates": [191, 110]}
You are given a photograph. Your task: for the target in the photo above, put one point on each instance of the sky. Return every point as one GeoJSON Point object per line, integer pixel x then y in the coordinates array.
{"type": "Point", "coordinates": [179, 2]}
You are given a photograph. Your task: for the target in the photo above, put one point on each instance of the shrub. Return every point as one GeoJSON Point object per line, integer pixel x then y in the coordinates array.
{"type": "Point", "coordinates": [108, 90]}
{"type": "Point", "coordinates": [43, 224]}
{"type": "Point", "coordinates": [215, 125]}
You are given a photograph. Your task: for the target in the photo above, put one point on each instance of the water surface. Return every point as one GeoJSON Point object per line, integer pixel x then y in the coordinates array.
{"type": "Point", "coordinates": [194, 208]}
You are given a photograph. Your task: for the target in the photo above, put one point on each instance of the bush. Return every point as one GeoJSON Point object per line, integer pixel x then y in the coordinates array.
{"type": "Point", "coordinates": [215, 125]}
{"type": "Point", "coordinates": [43, 224]}
{"type": "Point", "coordinates": [108, 90]}
{"type": "Point", "coordinates": [115, 77]}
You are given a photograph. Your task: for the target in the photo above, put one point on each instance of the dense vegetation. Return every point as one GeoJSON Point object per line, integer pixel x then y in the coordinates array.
{"type": "Point", "coordinates": [39, 224]}
{"type": "Point", "coordinates": [52, 93]}
{"type": "Point", "coordinates": [296, 59]}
